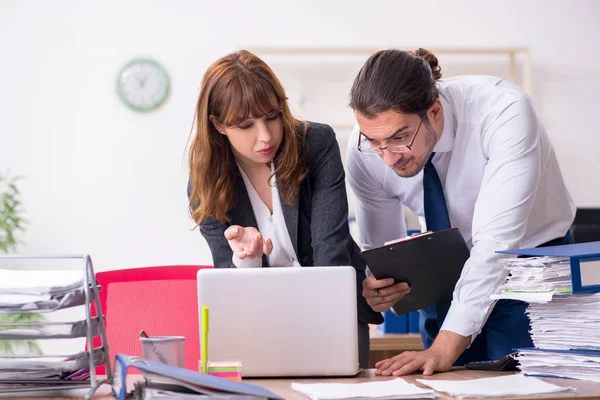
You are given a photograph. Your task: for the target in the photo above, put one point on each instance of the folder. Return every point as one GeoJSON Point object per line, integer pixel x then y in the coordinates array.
{"type": "Point", "coordinates": [184, 378]}
{"type": "Point", "coordinates": [584, 259]}
{"type": "Point", "coordinates": [393, 323]}
{"type": "Point", "coordinates": [430, 263]}
{"type": "Point", "coordinates": [413, 322]}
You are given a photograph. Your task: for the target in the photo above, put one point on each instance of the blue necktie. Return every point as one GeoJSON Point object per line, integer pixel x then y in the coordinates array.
{"type": "Point", "coordinates": [434, 203]}
{"type": "Point", "coordinates": [437, 219]}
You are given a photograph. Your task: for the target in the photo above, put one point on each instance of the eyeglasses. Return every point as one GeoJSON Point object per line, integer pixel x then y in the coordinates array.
{"type": "Point", "coordinates": [397, 148]}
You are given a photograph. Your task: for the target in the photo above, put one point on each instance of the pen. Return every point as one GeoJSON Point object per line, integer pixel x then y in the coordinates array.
{"type": "Point", "coordinates": [158, 354]}
{"type": "Point", "coordinates": [204, 335]}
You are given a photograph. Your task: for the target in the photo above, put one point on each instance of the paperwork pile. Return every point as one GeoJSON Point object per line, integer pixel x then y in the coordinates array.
{"type": "Point", "coordinates": [535, 279]}
{"type": "Point", "coordinates": [41, 291]}
{"type": "Point", "coordinates": [22, 290]}
{"type": "Point", "coordinates": [567, 322]}
{"type": "Point", "coordinates": [565, 327]}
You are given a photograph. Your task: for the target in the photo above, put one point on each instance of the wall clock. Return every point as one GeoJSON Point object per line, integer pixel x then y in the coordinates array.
{"type": "Point", "coordinates": [143, 84]}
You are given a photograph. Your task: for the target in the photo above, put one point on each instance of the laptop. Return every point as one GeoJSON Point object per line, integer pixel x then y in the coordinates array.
{"type": "Point", "coordinates": [282, 321]}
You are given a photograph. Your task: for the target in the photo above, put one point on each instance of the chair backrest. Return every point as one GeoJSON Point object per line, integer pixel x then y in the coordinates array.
{"type": "Point", "coordinates": [163, 301]}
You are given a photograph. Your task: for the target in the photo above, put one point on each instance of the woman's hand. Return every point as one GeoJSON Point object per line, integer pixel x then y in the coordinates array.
{"type": "Point", "coordinates": [247, 242]}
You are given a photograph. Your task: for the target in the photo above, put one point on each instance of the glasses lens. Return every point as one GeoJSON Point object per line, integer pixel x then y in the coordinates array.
{"type": "Point", "coordinates": [398, 149]}
{"type": "Point", "coordinates": [368, 149]}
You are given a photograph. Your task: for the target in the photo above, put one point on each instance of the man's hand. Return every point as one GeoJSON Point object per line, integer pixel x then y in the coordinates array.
{"type": "Point", "coordinates": [247, 242]}
{"type": "Point", "coordinates": [444, 351]}
{"type": "Point", "coordinates": [382, 294]}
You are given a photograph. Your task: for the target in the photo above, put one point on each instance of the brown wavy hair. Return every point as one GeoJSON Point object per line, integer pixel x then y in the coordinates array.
{"type": "Point", "coordinates": [234, 88]}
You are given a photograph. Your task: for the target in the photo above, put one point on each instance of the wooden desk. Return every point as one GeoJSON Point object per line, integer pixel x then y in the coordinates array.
{"type": "Point", "coordinates": [585, 390]}
{"type": "Point", "coordinates": [388, 345]}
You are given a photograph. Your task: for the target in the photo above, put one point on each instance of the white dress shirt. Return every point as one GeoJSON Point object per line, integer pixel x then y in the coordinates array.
{"type": "Point", "coordinates": [271, 226]}
{"type": "Point", "coordinates": [502, 185]}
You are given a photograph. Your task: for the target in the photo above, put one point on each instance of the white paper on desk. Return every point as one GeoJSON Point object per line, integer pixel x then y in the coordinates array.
{"type": "Point", "coordinates": [391, 389]}
{"type": "Point", "coordinates": [509, 385]}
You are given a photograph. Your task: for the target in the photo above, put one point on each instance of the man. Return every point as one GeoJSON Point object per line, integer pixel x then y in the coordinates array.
{"type": "Point", "coordinates": [467, 152]}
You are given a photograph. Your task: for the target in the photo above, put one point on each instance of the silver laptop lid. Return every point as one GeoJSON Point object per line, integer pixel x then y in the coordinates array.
{"type": "Point", "coordinates": [282, 321]}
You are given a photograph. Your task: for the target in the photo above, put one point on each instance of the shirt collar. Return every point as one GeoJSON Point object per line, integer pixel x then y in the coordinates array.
{"type": "Point", "coordinates": [446, 141]}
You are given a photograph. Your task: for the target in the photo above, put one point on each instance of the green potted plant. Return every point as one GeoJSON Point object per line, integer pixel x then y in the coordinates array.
{"type": "Point", "coordinates": [11, 223]}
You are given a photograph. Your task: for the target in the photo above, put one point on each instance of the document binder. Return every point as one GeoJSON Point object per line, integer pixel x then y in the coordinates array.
{"type": "Point", "coordinates": [431, 265]}
{"type": "Point", "coordinates": [576, 253]}
{"type": "Point", "coordinates": [169, 374]}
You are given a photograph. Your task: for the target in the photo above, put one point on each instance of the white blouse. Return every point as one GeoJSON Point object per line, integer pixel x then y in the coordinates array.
{"type": "Point", "coordinates": [271, 226]}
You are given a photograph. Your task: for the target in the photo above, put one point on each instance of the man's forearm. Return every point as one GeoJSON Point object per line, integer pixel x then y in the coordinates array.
{"type": "Point", "coordinates": [450, 345]}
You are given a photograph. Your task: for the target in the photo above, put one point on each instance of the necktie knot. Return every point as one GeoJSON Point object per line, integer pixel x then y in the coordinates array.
{"type": "Point", "coordinates": [430, 161]}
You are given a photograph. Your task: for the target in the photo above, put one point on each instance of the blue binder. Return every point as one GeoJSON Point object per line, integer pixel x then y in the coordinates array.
{"type": "Point", "coordinates": [405, 323]}
{"type": "Point", "coordinates": [576, 253]}
{"type": "Point", "coordinates": [413, 322]}
{"type": "Point", "coordinates": [184, 377]}
{"type": "Point", "coordinates": [393, 323]}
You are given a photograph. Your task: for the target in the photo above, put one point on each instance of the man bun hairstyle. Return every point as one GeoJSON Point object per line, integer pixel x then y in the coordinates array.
{"type": "Point", "coordinates": [431, 59]}
{"type": "Point", "coordinates": [396, 80]}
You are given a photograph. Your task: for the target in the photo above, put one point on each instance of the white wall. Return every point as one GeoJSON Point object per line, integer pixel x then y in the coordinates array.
{"type": "Point", "coordinates": [104, 180]}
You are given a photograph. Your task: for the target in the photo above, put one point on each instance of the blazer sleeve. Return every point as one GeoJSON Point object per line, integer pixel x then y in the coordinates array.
{"type": "Point", "coordinates": [214, 233]}
{"type": "Point", "coordinates": [331, 238]}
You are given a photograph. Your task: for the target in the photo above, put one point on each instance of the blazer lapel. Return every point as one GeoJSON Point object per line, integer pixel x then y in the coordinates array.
{"type": "Point", "coordinates": [242, 213]}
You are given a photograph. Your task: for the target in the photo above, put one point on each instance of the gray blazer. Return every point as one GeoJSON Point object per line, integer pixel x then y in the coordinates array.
{"type": "Point", "coordinates": [318, 225]}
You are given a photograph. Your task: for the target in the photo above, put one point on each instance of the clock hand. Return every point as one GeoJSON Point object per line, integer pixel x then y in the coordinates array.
{"type": "Point", "coordinates": [143, 81]}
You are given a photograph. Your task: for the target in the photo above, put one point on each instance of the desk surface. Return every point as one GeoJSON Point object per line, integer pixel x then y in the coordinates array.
{"type": "Point", "coordinates": [584, 390]}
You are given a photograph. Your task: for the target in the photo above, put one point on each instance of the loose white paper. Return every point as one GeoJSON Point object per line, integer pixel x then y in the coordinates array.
{"type": "Point", "coordinates": [390, 389]}
{"type": "Point", "coordinates": [509, 385]}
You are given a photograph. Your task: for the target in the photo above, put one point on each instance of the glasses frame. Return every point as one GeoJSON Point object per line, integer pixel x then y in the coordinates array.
{"type": "Point", "coordinates": [396, 149]}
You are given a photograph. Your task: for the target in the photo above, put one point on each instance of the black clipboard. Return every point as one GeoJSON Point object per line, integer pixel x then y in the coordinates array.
{"type": "Point", "coordinates": [430, 263]}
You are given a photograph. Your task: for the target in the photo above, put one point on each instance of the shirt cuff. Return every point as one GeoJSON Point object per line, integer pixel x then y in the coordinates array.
{"type": "Point", "coordinates": [465, 320]}
{"type": "Point", "coordinates": [247, 262]}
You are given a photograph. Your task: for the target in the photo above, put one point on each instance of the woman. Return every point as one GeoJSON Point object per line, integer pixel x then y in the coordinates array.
{"type": "Point", "coordinates": [265, 188]}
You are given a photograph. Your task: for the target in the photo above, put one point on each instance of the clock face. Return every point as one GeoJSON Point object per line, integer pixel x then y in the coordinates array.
{"type": "Point", "coordinates": [143, 85]}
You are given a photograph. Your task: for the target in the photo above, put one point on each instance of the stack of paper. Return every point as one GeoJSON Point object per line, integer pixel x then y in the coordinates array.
{"type": "Point", "coordinates": [575, 364]}
{"type": "Point", "coordinates": [501, 386]}
{"type": "Point", "coordinates": [46, 282]}
{"type": "Point", "coordinates": [71, 362]}
{"type": "Point", "coordinates": [47, 330]}
{"type": "Point", "coordinates": [561, 322]}
{"type": "Point", "coordinates": [535, 279]}
{"type": "Point", "coordinates": [567, 322]}
{"type": "Point", "coordinates": [391, 389]}
{"type": "Point", "coordinates": [20, 290]}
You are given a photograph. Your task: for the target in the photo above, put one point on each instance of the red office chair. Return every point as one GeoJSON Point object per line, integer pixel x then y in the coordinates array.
{"type": "Point", "coordinates": [163, 301]}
